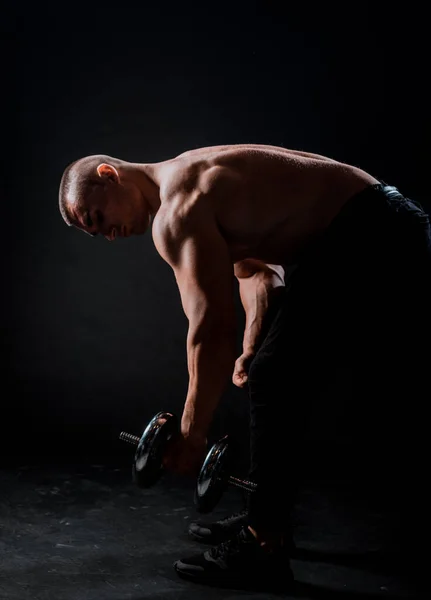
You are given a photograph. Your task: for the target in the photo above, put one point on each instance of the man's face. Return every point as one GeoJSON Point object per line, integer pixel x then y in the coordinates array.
{"type": "Point", "coordinates": [113, 210]}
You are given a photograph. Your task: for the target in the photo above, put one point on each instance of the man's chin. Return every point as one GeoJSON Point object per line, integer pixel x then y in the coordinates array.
{"type": "Point", "coordinates": [140, 229]}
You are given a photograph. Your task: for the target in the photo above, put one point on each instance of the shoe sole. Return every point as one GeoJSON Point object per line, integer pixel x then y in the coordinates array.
{"type": "Point", "coordinates": [200, 538]}
{"type": "Point", "coordinates": [212, 542]}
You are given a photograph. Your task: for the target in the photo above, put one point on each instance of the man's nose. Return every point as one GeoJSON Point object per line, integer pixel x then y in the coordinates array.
{"type": "Point", "coordinates": [111, 235]}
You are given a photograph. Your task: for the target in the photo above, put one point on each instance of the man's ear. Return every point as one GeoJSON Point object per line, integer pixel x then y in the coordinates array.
{"type": "Point", "coordinates": [108, 171]}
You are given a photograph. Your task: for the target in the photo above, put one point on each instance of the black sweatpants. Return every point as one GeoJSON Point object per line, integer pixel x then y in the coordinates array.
{"type": "Point", "coordinates": [361, 298]}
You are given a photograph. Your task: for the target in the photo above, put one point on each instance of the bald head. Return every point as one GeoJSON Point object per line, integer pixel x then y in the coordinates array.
{"type": "Point", "coordinates": [79, 181]}
{"type": "Point", "coordinates": [106, 195]}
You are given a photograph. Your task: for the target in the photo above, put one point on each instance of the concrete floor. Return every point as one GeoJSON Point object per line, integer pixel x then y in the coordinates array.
{"type": "Point", "coordinates": [87, 533]}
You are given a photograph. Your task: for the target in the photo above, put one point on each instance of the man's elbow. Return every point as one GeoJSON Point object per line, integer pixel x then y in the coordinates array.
{"type": "Point", "coordinates": [213, 327]}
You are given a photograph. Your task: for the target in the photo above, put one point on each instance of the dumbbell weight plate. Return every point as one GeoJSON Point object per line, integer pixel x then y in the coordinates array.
{"type": "Point", "coordinates": [148, 464]}
{"type": "Point", "coordinates": [213, 477]}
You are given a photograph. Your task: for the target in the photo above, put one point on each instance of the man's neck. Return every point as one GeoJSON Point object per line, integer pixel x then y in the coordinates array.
{"type": "Point", "coordinates": [144, 177]}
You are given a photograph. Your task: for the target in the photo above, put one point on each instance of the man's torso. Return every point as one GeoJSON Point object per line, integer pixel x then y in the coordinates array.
{"type": "Point", "coordinates": [269, 203]}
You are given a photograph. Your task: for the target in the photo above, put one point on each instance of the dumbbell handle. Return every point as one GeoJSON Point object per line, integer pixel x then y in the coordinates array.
{"type": "Point", "coordinates": [248, 486]}
{"type": "Point", "coordinates": [131, 439]}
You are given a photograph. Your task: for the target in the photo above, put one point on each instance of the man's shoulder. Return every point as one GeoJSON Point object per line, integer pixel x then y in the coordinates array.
{"type": "Point", "coordinates": [182, 215]}
{"type": "Point", "coordinates": [194, 176]}
{"type": "Point", "coordinates": [170, 225]}
{"type": "Point", "coordinates": [189, 199]}
{"type": "Point", "coordinates": [186, 194]}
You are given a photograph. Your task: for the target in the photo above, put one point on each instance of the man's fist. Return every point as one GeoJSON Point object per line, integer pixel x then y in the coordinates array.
{"type": "Point", "coordinates": [185, 455]}
{"type": "Point", "coordinates": [242, 365]}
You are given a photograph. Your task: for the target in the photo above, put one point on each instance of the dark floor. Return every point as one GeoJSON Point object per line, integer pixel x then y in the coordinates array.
{"type": "Point", "coordinates": [87, 533]}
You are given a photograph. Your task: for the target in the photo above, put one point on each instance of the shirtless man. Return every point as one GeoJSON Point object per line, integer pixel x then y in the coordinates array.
{"type": "Point", "coordinates": [361, 251]}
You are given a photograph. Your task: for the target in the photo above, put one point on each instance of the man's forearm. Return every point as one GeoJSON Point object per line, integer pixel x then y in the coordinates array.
{"type": "Point", "coordinates": [211, 359]}
{"type": "Point", "coordinates": [259, 296]}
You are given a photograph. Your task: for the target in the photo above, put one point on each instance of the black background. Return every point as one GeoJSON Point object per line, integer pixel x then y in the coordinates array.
{"type": "Point", "coordinates": [93, 332]}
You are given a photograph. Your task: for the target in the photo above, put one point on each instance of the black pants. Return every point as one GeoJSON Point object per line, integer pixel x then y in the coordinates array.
{"type": "Point", "coordinates": [360, 298]}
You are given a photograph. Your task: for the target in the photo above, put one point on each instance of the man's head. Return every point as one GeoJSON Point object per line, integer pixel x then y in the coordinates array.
{"type": "Point", "coordinates": [101, 194]}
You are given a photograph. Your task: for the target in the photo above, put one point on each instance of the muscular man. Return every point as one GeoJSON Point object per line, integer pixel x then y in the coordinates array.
{"type": "Point", "coordinates": [360, 288]}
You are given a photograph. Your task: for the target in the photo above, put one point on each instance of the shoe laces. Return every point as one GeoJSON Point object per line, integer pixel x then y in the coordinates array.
{"type": "Point", "coordinates": [231, 519]}
{"type": "Point", "coordinates": [228, 548]}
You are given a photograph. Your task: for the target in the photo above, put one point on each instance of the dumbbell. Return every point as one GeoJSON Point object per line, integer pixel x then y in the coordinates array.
{"type": "Point", "coordinates": [147, 466]}
{"type": "Point", "coordinates": [214, 478]}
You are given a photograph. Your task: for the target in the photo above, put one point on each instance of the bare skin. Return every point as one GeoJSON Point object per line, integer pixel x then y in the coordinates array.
{"type": "Point", "coordinates": [269, 203]}
{"type": "Point", "coordinates": [217, 213]}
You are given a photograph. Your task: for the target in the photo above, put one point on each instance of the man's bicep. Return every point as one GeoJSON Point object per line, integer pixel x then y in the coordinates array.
{"type": "Point", "coordinates": [204, 274]}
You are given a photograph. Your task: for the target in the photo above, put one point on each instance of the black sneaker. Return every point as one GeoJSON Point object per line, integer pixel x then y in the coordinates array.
{"type": "Point", "coordinates": [219, 531]}
{"type": "Point", "coordinates": [239, 563]}
{"type": "Point", "coordinates": [224, 529]}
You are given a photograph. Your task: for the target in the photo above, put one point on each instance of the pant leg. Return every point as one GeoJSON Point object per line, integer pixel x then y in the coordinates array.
{"type": "Point", "coordinates": [402, 390]}
{"type": "Point", "coordinates": [288, 374]}
{"type": "Point", "coordinates": [361, 300]}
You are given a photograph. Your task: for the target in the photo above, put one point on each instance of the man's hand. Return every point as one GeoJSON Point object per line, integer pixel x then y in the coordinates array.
{"type": "Point", "coordinates": [186, 454]}
{"type": "Point", "coordinates": [242, 365]}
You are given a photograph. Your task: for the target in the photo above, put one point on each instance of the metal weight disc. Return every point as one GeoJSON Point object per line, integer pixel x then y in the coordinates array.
{"type": "Point", "coordinates": [148, 464]}
{"type": "Point", "coordinates": [213, 477]}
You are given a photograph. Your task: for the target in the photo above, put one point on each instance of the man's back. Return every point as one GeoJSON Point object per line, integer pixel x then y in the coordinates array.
{"type": "Point", "coordinates": [269, 203]}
